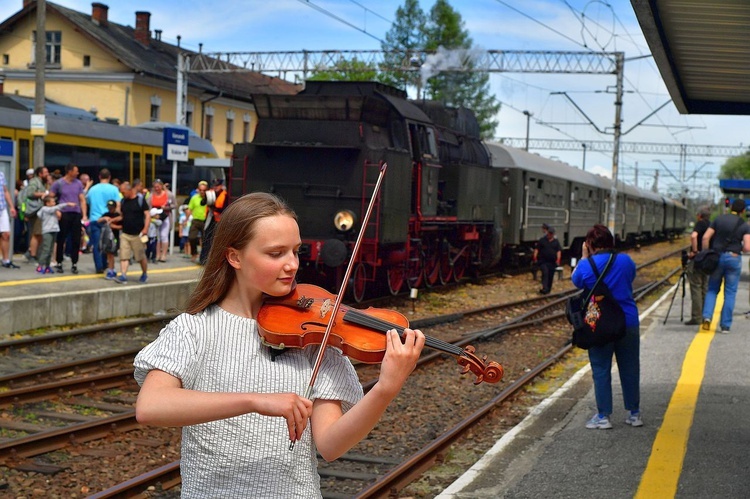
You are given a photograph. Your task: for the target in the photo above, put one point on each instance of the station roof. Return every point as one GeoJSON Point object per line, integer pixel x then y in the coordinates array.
{"type": "Point", "coordinates": [702, 50]}
{"type": "Point", "coordinates": [735, 186]}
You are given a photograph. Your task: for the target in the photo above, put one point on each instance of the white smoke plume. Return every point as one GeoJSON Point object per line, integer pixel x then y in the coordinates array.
{"type": "Point", "coordinates": [447, 60]}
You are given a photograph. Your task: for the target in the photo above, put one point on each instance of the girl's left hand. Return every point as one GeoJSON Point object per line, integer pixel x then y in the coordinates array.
{"type": "Point", "coordinates": [400, 358]}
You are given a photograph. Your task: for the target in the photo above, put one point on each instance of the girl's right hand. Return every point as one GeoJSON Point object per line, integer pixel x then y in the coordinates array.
{"type": "Point", "coordinates": [290, 406]}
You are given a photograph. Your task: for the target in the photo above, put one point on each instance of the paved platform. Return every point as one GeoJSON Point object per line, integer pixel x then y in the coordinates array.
{"type": "Point", "coordinates": [29, 300]}
{"type": "Point", "coordinates": [695, 401]}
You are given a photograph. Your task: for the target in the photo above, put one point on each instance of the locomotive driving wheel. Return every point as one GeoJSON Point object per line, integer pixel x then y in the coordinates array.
{"type": "Point", "coordinates": [395, 276]}
{"type": "Point", "coordinates": [445, 269]}
{"type": "Point", "coordinates": [431, 263]}
{"type": "Point", "coordinates": [415, 267]}
{"type": "Point", "coordinates": [359, 282]}
{"type": "Point", "coordinates": [461, 263]}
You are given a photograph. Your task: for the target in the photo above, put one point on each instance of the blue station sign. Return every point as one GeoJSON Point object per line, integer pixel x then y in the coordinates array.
{"type": "Point", "coordinates": [176, 144]}
{"type": "Point", "coordinates": [6, 147]}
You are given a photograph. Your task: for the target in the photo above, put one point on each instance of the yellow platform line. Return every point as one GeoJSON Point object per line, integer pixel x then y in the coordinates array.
{"type": "Point", "coordinates": [63, 278]}
{"type": "Point", "coordinates": [662, 474]}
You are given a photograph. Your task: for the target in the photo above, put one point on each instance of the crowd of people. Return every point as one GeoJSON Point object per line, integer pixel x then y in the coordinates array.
{"type": "Point", "coordinates": [59, 216]}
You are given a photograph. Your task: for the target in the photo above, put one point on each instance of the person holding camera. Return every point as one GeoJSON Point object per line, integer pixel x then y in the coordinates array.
{"type": "Point", "coordinates": [596, 250]}
{"type": "Point", "coordinates": [697, 278]}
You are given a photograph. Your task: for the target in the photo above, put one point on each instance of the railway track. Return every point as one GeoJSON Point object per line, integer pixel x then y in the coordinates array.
{"type": "Point", "coordinates": [356, 468]}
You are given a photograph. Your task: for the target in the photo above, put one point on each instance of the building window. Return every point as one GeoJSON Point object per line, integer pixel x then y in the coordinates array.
{"type": "Point", "coordinates": [86, 61]}
{"type": "Point", "coordinates": [52, 47]}
{"type": "Point", "coordinates": [209, 131]}
{"type": "Point", "coordinates": [230, 130]}
{"type": "Point", "coordinates": [155, 107]}
{"type": "Point", "coordinates": [246, 131]}
{"type": "Point", "coordinates": [6, 59]}
{"type": "Point", "coordinates": [189, 119]}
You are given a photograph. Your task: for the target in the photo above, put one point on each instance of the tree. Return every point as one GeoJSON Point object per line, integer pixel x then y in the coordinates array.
{"type": "Point", "coordinates": [353, 70]}
{"type": "Point", "coordinates": [445, 34]}
{"type": "Point", "coordinates": [404, 40]}
{"type": "Point", "coordinates": [737, 167]}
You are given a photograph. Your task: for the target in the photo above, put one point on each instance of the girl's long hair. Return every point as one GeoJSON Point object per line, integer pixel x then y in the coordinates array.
{"type": "Point", "coordinates": [236, 230]}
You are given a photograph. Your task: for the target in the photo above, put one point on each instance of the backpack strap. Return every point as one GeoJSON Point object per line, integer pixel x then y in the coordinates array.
{"type": "Point", "coordinates": [599, 277]}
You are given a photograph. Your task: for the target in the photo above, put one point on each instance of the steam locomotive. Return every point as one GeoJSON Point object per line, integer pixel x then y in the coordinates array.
{"type": "Point", "coordinates": [450, 205]}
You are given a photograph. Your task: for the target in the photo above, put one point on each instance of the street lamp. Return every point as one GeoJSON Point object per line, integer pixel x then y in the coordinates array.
{"type": "Point", "coordinates": [528, 120]}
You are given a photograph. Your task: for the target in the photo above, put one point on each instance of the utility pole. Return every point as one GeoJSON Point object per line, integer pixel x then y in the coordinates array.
{"type": "Point", "coordinates": [619, 63]}
{"type": "Point", "coordinates": [40, 60]}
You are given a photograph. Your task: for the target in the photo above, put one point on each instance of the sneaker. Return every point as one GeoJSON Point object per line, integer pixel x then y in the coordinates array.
{"type": "Point", "coordinates": [111, 274]}
{"type": "Point", "coordinates": [121, 279]}
{"type": "Point", "coordinates": [40, 269]}
{"type": "Point", "coordinates": [10, 265]}
{"type": "Point", "coordinates": [724, 330]}
{"type": "Point", "coordinates": [143, 278]}
{"type": "Point", "coordinates": [58, 268]}
{"type": "Point", "coordinates": [599, 423]}
{"type": "Point", "coordinates": [74, 269]}
{"type": "Point", "coordinates": [706, 325]}
{"type": "Point", "coordinates": [634, 420]}
{"type": "Point", "coordinates": [48, 270]}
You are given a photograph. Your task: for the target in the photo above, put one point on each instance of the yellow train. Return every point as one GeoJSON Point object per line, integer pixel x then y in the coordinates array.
{"type": "Point", "coordinates": [128, 152]}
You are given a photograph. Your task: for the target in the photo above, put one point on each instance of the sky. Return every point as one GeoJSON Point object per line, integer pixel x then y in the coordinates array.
{"type": "Point", "coordinates": [560, 106]}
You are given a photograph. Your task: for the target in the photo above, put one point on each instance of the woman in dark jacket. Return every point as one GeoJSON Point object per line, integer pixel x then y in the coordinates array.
{"type": "Point", "coordinates": [597, 248]}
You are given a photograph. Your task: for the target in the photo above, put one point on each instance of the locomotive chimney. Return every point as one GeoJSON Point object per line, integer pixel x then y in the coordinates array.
{"type": "Point", "coordinates": [142, 33]}
{"type": "Point", "coordinates": [99, 13]}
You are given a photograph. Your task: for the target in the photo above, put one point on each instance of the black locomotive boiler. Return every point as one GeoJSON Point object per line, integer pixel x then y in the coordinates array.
{"type": "Point", "coordinates": [450, 205]}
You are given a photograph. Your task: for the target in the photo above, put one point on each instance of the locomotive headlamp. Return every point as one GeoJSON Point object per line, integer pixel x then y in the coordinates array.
{"type": "Point", "coordinates": [344, 220]}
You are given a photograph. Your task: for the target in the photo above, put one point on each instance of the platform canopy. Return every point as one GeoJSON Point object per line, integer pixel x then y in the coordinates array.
{"type": "Point", "coordinates": [734, 186]}
{"type": "Point", "coordinates": [702, 49]}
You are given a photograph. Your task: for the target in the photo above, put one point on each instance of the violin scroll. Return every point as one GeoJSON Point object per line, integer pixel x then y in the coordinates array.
{"type": "Point", "coordinates": [489, 372]}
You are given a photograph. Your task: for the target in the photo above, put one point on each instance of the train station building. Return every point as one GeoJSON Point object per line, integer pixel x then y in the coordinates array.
{"type": "Point", "coordinates": [127, 75]}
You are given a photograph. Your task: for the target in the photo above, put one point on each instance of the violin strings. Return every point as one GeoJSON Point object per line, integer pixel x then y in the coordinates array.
{"type": "Point", "coordinates": [381, 325]}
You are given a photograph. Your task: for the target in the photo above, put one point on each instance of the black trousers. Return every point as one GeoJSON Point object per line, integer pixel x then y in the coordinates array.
{"type": "Point", "coordinates": [208, 238]}
{"type": "Point", "coordinates": [70, 225]}
{"type": "Point", "coordinates": [548, 274]}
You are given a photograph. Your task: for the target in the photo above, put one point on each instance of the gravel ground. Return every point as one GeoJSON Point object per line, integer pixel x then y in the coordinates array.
{"type": "Point", "coordinates": [405, 427]}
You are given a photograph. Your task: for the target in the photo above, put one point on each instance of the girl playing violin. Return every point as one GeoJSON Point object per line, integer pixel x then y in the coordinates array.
{"type": "Point", "coordinates": [209, 371]}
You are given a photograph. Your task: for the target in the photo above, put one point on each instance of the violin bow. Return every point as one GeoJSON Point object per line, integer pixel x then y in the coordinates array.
{"type": "Point", "coordinates": [339, 297]}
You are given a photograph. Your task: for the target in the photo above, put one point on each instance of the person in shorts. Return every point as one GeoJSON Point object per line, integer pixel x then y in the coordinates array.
{"type": "Point", "coordinates": [7, 212]}
{"type": "Point", "coordinates": [134, 233]}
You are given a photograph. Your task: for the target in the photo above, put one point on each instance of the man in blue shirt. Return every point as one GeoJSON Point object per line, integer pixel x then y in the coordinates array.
{"type": "Point", "coordinates": [97, 198]}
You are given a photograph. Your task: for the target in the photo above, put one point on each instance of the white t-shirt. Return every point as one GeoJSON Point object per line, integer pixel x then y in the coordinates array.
{"type": "Point", "coordinates": [248, 455]}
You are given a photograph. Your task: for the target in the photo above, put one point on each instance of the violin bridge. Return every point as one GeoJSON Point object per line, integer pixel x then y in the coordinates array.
{"type": "Point", "coordinates": [305, 302]}
{"type": "Point", "coordinates": [325, 308]}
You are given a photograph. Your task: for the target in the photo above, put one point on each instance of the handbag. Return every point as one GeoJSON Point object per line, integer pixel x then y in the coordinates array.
{"type": "Point", "coordinates": [597, 318]}
{"type": "Point", "coordinates": [706, 260]}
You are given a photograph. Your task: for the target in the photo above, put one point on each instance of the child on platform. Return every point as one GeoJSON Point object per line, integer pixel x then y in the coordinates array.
{"type": "Point", "coordinates": [50, 215]}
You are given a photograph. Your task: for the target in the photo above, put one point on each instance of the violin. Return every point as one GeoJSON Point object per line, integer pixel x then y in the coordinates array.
{"type": "Point", "coordinates": [300, 319]}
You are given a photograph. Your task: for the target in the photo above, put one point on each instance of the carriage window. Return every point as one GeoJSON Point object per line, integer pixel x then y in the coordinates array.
{"type": "Point", "coordinates": [539, 183]}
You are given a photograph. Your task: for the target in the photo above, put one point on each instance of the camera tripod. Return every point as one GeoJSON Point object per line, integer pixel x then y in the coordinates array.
{"type": "Point", "coordinates": [680, 281]}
